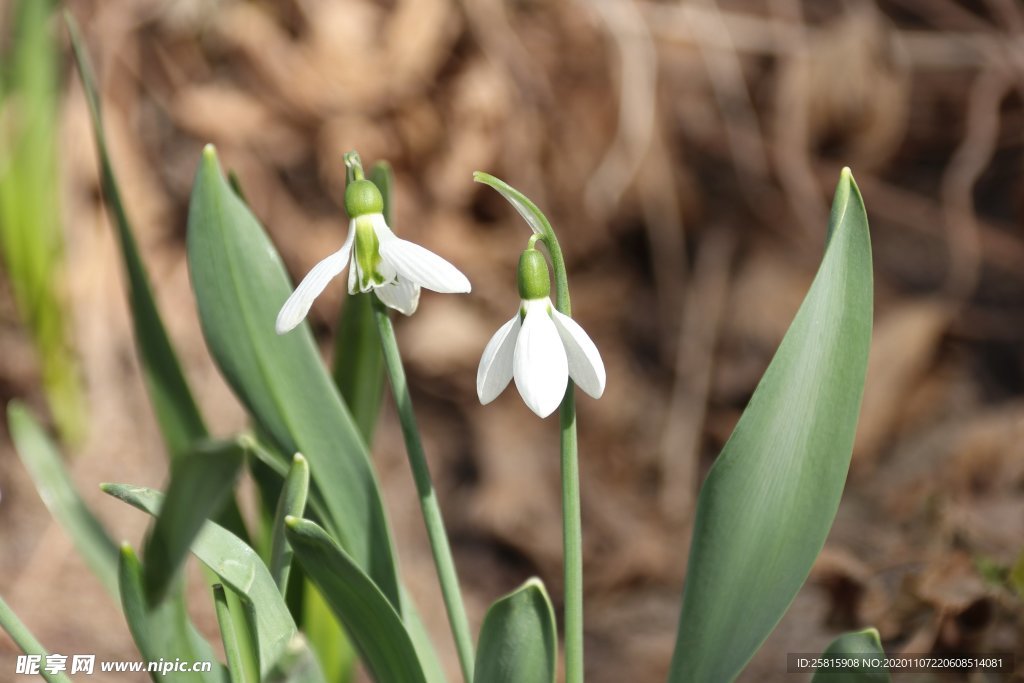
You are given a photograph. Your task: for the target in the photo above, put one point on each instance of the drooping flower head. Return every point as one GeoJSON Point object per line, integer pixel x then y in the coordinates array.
{"type": "Point", "coordinates": [392, 268]}
{"type": "Point", "coordinates": [540, 347]}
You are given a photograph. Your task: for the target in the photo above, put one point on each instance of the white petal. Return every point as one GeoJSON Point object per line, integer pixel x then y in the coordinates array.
{"type": "Point", "coordinates": [495, 370]}
{"type": "Point", "coordinates": [540, 366]}
{"type": "Point", "coordinates": [585, 365]}
{"type": "Point", "coordinates": [401, 295]}
{"type": "Point", "coordinates": [422, 266]}
{"type": "Point", "coordinates": [298, 304]}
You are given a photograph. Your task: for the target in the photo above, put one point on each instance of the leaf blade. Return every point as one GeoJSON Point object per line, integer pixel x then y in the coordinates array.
{"type": "Point", "coordinates": [161, 632]}
{"type": "Point", "coordinates": [201, 483]}
{"type": "Point", "coordinates": [25, 640]}
{"type": "Point", "coordinates": [518, 640]}
{"type": "Point", "coordinates": [372, 623]}
{"type": "Point", "coordinates": [239, 282]}
{"type": "Point", "coordinates": [176, 411]}
{"type": "Point", "coordinates": [864, 642]}
{"type": "Point", "coordinates": [44, 464]}
{"type": "Point", "coordinates": [239, 567]}
{"type": "Point", "coordinates": [769, 501]}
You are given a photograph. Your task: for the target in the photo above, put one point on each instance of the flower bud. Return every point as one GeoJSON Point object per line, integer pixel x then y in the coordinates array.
{"type": "Point", "coordinates": [533, 278]}
{"type": "Point", "coordinates": [362, 197]}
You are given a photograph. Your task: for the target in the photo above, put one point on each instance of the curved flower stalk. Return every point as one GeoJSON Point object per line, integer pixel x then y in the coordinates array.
{"type": "Point", "coordinates": [540, 347]}
{"type": "Point", "coordinates": [392, 268]}
{"type": "Point", "coordinates": [539, 287]}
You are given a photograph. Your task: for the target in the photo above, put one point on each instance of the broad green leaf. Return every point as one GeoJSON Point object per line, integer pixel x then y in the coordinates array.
{"type": "Point", "coordinates": [358, 363]}
{"type": "Point", "coordinates": [370, 620]}
{"type": "Point", "coordinates": [358, 360]}
{"type": "Point", "coordinates": [239, 567]}
{"type": "Point", "coordinates": [161, 632]}
{"type": "Point", "coordinates": [240, 655]}
{"type": "Point", "coordinates": [240, 284]}
{"type": "Point", "coordinates": [45, 466]}
{"type": "Point", "coordinates": [518, 641]}
{"type": "Point", "coordinates": [326, 636]}
{"type": "Point", "coordinates": [291, 503]}
{"type": "Point", "coordinates": [859, 643]}
{"type": "Point", "coordinates": [201, 483]}
{"type": "Point", "coordinates": [25, 640]}
{"type": "Point", "coordinates": [298, 665]}
{"type": "Point", "coordinates": [175, 408]}
{"type": "Point", "coordinates": [31, 236]}
{"type": "Point", "coordinates": [770, 498]}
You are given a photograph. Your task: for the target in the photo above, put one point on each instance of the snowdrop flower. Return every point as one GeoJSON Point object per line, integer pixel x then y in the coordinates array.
{"type": "Point", "coordinates": [393, 268]}
{"type": "Point", "coordinates": [540, 347]}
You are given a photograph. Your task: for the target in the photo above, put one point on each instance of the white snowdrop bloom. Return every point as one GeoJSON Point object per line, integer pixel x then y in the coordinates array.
{"type": "Point", "coordinates": [392, 268]}
{"type": "Point", "coordinates": [540, 347]}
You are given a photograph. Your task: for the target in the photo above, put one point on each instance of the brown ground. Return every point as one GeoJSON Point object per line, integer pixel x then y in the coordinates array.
{"type": "Point", "coordinates": [686, 154]}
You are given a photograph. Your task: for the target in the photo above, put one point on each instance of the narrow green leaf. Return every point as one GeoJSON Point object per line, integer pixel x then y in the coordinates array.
{"type": "Point", "coordinates": [770, 498]}
{"type": "Point", "coordinates": [291, 503]}
{"type": "Point", "coordinates": [161, 632]}
{"type": "Point", "coordinates": [25, 640]}
{"type": "Point", "coordinates": [518, 641]}
{"type": "Point", "coordinates": [327, 638]}
{"type": "Point", "coordinates": [371, 621]}
{"type": "Point", "coordinates": [862, 643]}
{"type": "Point", "coordinates": [31, 236]}
{"type": "Point", "coordinates": [358, 363]}
{"type": "Point", "coordinates": [44, 464]}
{"type": "Point", "coordinates": [382, 176]}
{"type": "Point", "coordinates": [239, 567]}
{"type": "Point", "coordinates": [298, 665]}
{"type": "Point", "coordinates": [241, 666]}
{"type": "Point", "coordinates": [201, 483]}
{"type": "Point", "coordinates": [240, 284]}
{"type": "Point", "coordinates": [175, 408]}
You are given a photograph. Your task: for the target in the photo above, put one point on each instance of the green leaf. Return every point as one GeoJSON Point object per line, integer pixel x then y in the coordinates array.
{"type": "Point", "coordinates": [298, 665]}
{"type": "Point", "coordinates": [24, 639]}
{"type": "Point", "coordinates": [240, 284]}
{"type": "Point", "coordinates": [291, 503]}
{"type": "Point", "coordinates": [371, 621]}
{"type": "Point", "coordinates": [161, 632]}
{"type": "Point", "coordinates": [327, 638]}
{"type": "Point", "coordinates": [201, 483]}
{"type": "Point", "coordinates": [239, 567]}
{"type": "Point", "coordinates": [175, 408]}
{"type": "Point", "coordinates": [518, 641]}
{"type": "Point", "coordinates": [240, 655]}
{"type": "Point", "coordinates": [864, 642]}
{"type": "Point", "coordinates": [31, 235]}
{"type": "Point", "coordinates": [770, 498]}
{"type": "Point", "coordinates": [45, 466]}
{"type": "Point", "coordinates": [358, 362]}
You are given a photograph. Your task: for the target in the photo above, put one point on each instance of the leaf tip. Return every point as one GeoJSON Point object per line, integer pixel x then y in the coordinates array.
{"type": "Point", "coordinates": [210, 153]}
{"type": "Point", "coordinates": [291, 521]}
{"type": "Point", "coordinates": [300, 460]}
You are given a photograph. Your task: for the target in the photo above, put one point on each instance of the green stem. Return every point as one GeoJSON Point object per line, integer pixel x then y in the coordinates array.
{"type": "Point", "coordinates": [443, 562]}
{"type": "Point", "coordinates": [572, 526]}
{"type": "Point", "coordinates": [572, 533]}
{"type": "Point", "coordinates": [572, 540]}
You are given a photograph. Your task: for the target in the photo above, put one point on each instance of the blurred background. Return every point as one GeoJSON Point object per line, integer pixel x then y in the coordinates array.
{"type": "Point", "coordinates": [685, 152]}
